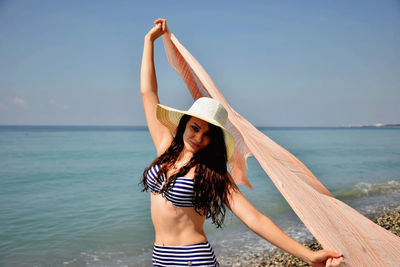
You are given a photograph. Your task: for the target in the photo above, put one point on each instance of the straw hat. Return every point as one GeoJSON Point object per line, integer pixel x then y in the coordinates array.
{"type": "Point", "coordinates": [204, 108]}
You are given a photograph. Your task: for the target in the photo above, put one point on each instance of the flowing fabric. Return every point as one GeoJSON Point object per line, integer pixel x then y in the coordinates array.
{"type": "Point", "coordinates": [334, 224]}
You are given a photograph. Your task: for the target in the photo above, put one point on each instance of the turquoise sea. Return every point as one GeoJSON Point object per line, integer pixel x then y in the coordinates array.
{"type": "Point", "coordinates": [69, 195]}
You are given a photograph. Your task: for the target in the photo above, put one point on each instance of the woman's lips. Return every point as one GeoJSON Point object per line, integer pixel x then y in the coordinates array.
{"type": "Point", "coordinates": [194, 144]}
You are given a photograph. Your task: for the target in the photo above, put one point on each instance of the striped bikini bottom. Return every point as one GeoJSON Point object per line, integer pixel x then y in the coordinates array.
{"type": "Point", "coordinates": [200, 254]}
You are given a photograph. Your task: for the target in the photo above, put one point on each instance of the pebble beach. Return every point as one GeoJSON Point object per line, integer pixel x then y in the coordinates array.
{"type": "Point", "coordinates": [386, 217]}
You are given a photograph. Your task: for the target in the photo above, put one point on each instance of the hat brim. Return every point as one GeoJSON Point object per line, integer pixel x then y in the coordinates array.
{"type": "Point", "coordinates": [171, 117]}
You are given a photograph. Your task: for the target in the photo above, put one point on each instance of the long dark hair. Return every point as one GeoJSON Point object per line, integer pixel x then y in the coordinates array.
{"type": "Point", "coordinates": [212, 181]}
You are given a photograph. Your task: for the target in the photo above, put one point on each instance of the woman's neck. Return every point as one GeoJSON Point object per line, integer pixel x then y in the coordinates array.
{"type": "Point", "coordinates": [184, 157]}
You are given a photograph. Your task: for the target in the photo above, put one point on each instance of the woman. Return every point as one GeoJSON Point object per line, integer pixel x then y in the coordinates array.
{"type": "Point", "coordinates": [189, 181]}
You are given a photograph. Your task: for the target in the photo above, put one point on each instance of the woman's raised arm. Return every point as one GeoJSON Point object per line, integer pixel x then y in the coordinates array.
{"type": "Point", "coordinates": [267, 229]}
{"type": "Point", "coordinates": [160, 134]}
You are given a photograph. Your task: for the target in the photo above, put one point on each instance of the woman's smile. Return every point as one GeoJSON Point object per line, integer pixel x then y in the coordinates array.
{"type": "Point", "coordinates": [195, 145]}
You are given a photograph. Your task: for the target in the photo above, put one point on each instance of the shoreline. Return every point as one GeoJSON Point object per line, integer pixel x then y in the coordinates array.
{"type": "Point", "coordinates": [386, 217]}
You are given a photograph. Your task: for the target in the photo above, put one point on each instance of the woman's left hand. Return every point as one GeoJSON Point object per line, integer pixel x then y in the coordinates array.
{"type": "Point", "coordinates": [325, 258]}
{"type": "Point", "coordinates": [160, 27]}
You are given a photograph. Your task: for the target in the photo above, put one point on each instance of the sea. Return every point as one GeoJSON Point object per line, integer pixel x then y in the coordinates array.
{"type": "Point", "coordinates": [70, 195]}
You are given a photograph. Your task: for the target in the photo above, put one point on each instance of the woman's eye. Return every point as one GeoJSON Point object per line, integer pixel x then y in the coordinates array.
{"type": "Point", "coordinates": [195, 128]}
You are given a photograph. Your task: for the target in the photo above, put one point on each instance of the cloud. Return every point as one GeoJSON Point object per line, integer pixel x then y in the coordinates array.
{"type": "Point", "coordinates": [54, 103]}
{"type": "Point", "coordinates": [14, 102]}
{"type": "Point", "coordinates": [19, 102]}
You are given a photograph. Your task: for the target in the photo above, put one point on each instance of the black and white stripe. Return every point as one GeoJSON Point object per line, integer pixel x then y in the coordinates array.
{"type": "Point", "coordinates": [181, 194]}
{"type": "Point", "coordinates": [192, 255]}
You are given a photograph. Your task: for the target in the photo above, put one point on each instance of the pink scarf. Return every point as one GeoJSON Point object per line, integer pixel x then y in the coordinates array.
{"type": "Point", "coordinates": [334, 224]}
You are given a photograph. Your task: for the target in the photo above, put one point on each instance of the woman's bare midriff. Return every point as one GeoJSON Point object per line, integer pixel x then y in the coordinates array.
{"type": "Point", "coordinates": [175, 226]}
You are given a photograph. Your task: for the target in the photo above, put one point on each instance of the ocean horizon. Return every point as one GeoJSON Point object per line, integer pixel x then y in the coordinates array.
{"type": "Point", "coordinates": [33, 127]}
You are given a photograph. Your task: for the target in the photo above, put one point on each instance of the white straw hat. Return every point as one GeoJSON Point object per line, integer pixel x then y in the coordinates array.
{"type": "Point", "coordinates": [204, 108]}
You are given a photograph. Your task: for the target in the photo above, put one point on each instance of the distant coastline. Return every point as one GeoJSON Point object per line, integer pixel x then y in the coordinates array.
{"type": "Point", "coordinates": [377, 125]}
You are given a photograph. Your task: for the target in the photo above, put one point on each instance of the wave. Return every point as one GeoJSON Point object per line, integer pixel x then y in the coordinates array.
{"type": "Point", "coordinates": [368, 189]}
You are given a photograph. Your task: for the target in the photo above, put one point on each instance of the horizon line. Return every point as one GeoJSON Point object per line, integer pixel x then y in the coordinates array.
{"type": "Point", "coordinates": [376, 125]}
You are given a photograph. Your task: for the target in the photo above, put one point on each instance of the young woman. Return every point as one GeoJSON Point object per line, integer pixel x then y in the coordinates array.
{"type": "Point", "coordinates": [189, 181]}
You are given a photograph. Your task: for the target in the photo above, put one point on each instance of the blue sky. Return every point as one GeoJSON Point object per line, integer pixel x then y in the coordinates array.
{"type": "Point", "coordinates": [278, 63]}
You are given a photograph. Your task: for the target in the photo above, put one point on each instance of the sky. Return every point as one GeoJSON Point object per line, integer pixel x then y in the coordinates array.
{"type": "Point", "coordinates": [278, 63]}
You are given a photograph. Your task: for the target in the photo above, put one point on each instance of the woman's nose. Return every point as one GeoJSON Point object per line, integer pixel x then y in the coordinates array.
{"type": "Point", "coordinates": [198, 138]}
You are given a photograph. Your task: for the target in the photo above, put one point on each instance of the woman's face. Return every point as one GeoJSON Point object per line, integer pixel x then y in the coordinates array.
{"type": "Point", "coordinates": [196, 136]}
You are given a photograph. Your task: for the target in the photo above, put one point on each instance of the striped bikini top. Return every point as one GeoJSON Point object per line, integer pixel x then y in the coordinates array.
{"type": "Point", "coordinates": [180, 194]}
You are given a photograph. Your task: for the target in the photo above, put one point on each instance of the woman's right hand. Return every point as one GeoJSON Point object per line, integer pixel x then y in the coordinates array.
{"type": "Point", "coordinates": [325, 258]}
{"type": "Point", "coordinates": [159, 29]}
